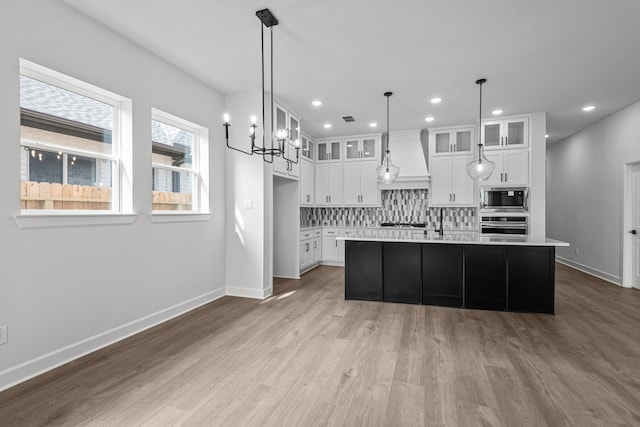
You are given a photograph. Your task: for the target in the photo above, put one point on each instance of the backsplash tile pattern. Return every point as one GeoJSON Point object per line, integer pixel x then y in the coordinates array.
{"type": "Point", "coordinates": [406, 206]}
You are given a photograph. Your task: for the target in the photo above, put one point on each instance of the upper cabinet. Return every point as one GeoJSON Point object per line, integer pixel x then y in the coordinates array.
{"type": "Point", "coordinates": [329, 150]}
{"type": "Point", "coordinates": [451, 141]}
{"type": "Point", "coordinates": [288, 124]}
{"type": "Point", "coordinates": [286, 121]}
{"type": "Point", "coordinates": [366, 147]}
{"type": "Point", "coordinates": [505, 133]}
{"type": "Point", "coordinates": [307, 147]}
{"type": "Point", "coordinates": [512, 167]}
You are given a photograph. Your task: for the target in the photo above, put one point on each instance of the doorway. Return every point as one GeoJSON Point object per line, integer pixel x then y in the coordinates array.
{"type": "Point", "coordinates": [631, 226]}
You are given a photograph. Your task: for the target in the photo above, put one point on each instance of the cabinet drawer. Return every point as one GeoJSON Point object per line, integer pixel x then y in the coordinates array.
{"type": "Point", "coordinates": [306, 234]}
{"type": "Point", "coordinates": [317, 232]}
{"type": "Point", "coordinates": [330, 232]}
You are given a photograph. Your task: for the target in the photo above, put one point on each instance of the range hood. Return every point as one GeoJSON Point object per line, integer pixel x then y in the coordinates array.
{"type": "Point", "coordinates": [408, 152]}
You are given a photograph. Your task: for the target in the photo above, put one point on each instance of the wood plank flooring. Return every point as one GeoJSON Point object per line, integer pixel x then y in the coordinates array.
{"type": "Point", "coordinates": [307, 357]}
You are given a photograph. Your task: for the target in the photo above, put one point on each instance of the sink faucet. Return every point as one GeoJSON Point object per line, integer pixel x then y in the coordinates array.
{"type": "Point", "coordinates": [441, 230]}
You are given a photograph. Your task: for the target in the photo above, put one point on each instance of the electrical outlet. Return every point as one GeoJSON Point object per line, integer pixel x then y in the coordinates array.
{"type": "Point", "coordinates": [577, 251]}
{"type": "Point", "coordinates": [4, 330]}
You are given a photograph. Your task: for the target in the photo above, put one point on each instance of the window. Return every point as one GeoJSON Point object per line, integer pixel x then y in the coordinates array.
{"type": "Point", "coordinates": [177, 169]}
{"type": "Point", "coordinates": [71, 144]}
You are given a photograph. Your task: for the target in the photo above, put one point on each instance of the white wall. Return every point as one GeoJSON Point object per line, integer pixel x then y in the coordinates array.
{"type": "Point", "coordinates": [61, 294]}
{"type": "Point", "coordinates": [537, 175]}
{"type": "Point", "coordinates": [248, 251]}
{"type": "Point", "coordinates": [585, 188]}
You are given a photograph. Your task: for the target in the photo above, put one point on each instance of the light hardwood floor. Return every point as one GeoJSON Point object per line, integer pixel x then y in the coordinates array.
{"type": "Point", "coordinates": [307, 357]}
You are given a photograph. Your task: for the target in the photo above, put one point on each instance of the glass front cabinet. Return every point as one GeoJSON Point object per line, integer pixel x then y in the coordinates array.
{"type": "Point", "coordinates": [329, 150]}
{"type": "Point", "coordinates": [452, 141]}
{"type": "Point", "coordinates": [505, 133]}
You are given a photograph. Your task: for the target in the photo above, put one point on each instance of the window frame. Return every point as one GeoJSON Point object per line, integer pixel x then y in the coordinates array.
{"type": "Point", "coordinates": [120, 157]}
{"type": "Point", "coordinates": [199, 168]}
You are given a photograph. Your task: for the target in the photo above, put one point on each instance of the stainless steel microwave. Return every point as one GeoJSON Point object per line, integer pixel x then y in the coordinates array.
{"type": "Point", "coordinates": [504, 199]}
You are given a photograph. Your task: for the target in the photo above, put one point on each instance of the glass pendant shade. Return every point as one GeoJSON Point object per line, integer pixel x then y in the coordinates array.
{"type": "Point", "coordinates": [387, 172]}
{"type": "Point", "coordinates": [480, 168]}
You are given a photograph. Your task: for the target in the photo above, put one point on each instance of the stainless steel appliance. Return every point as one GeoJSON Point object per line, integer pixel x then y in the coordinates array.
{"type": "Point", "coordinates": [504, 199]}
{"type": "Point", "coordinates": [500, 225]}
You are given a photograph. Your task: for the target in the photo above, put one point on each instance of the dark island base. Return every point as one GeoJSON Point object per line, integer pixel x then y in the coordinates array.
{"type": "Point", "coordinates": [511, 278]}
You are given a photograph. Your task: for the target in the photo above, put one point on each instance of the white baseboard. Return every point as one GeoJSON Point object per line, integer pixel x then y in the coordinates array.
{"type": "Point", "coordinates": [333, 263]}
{"type": "Point", "coordinates": [39, 365]}
{"type": "Point", "coordinates": [616, 280]}
{"type": "Point", "coordinates": [306, 270]}
{"type": "Point", "coordinates": [287, 277]}
{"type": "Point", "coordinates": [234, 291]}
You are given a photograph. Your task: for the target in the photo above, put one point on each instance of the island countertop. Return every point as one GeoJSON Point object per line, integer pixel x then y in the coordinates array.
{"type": "Point", "coordinates": [467, 238]}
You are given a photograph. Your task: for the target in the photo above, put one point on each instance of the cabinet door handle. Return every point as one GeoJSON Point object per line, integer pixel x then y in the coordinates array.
{"type": "Point", "coordinates": [501, 174]}
{"type": "Point", "coordinates": [308, 198]}
{"type": "Point", "coordinates": [506, 140]}
{"type": "Point", "coordinates": [315, 245]}
{"type": "Point", "coordinates": [336, 243]}
{"type": "Point", "coordinates": [454, 197]}
{"type": "Point", "coordinates": [505, 177]}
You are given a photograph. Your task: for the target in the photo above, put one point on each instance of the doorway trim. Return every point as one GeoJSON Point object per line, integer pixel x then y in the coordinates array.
{"type": "Point", "coordinates": [627, 240]}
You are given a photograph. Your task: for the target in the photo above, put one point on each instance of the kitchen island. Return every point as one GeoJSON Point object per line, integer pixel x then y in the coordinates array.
{"type": "Point", "coordinates": [463, 270]}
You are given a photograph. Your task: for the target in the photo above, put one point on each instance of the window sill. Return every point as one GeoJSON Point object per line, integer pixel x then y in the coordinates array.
{"type": "Point", "coordinates": [53, 220]}
{"type": "Point", "coordinates": [165, 217]}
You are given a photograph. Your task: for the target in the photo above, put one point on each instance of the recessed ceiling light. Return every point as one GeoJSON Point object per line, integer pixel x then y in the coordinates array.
{"type": "Point", "coordinates": [327, 125]}
{"type": "Point", "coordinates": [316, 103]}
{"type": "Point", "coordinates": [430, 118]}
{"type": "Point", "coordinates": [589, 108]}
{"type": "Point", "coordinates": [436, 100]}
{"type": "Point", "coordinates": [496, 112]}
{"type": "Point", "coordinates": [373, 124]}
{"type": "Point", "coordinates": [546, 136]}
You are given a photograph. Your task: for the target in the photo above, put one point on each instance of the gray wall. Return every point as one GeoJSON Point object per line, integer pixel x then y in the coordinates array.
{"type": "Point", "coordinates": [585, 188]}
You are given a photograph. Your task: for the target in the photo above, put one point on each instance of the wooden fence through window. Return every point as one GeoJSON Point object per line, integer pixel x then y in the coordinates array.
{"type": "Point", "coordinates": [48, 196]}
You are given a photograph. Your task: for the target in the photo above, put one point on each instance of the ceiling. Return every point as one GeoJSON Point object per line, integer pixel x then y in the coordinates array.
{"type": "Point", "coordinates": [542, 55]}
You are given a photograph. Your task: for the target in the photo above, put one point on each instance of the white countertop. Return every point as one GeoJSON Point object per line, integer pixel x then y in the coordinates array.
{"type": "Point", "coordinates": [471, 238]}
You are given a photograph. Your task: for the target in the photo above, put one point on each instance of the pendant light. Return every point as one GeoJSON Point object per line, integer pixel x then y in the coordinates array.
{"type": "Point", "coordinates": [480, 168]}
{"type": "Point", "coordinates": [387, 172]}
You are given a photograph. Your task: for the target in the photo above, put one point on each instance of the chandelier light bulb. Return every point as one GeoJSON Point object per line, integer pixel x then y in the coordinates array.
{"type": "Point", "coordinates": [225, 118]}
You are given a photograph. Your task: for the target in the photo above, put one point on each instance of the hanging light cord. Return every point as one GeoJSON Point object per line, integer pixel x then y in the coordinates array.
{"type": "Point", "coordinates": [480, 82]}
{"type": "Point", "coordinates": [388, 95]}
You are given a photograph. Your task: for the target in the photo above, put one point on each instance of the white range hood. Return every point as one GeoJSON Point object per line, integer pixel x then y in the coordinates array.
{"type": "Point", "coordinates": [409, 154]}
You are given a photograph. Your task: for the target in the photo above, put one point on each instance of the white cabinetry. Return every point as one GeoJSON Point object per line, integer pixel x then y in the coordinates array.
{"type": "Point", "coordinates": [310, 248]}
{"type": "Point", "coordinates": [360, 184]}
{"type": "Point", "coordinates": [450, 183]}
{"type": "Point", "coordinates": [307, 147]}
{"type": "Point", "coordinates": [284, 167]}
{"type": "Point", "coordinates": [362, 147]}
{"type": "Point", "coordinates": [288, 124]}
{"type": "Point", "coordinates": [512, 167]}
{"type": "Point", "coordinates": [307, 183]}
{"type": "Point", "coordinates": [451, 140]}
{"type": "Point", "coordinates": [329, 150]}
{"type": "Point", "coordinates": [317, 248]}
{"type": "Point", "coordinates": [330, 245]}
{"type": "Point", "coordinates": [329, 184]}
{"type": "Point", "coordinates": [505, 133]}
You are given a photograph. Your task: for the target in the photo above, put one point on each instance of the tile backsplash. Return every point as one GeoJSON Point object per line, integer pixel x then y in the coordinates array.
{"type": "Point", "coordinates": [407, 206]}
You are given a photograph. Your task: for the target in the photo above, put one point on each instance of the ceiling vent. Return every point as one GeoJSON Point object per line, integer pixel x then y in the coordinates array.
{"type": "Point", "coordinates": [348, 119]}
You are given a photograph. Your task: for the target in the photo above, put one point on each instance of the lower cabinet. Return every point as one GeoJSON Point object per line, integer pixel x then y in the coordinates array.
{"type": "Point", "coordinates": [402, 272]}
{"type": "Point", "coordinates": [363, 277]}
{"type": "Point", "coordinates": [442, 267]}
{"type": "Point", "coordinates": [485, 277]}
{"type": "Point", "coordinates": [317, 250]}
{"type": "Point", "coordinates": [330, 251]}
{"type": "Point", "coordinates": [514, 278]}
{"type": "Point", "coordinates": [531, 278]}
